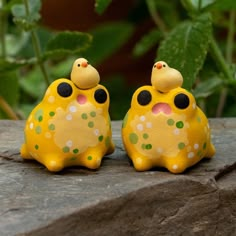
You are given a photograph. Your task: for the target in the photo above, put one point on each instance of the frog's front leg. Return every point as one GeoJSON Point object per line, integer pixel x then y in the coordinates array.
{"type": "Point", "coordinates": [141, 162]}
{"type": "Point", "coordinates": [177, 165]}
{"type": "Point", "coordinates": [24, 152]}
{"type": "Point", "coordinates": [92, 158]}
{"type": "Point", "coordinates": [53, 162]}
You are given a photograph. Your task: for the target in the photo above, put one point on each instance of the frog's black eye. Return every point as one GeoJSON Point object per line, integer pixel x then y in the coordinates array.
{"type": "Point", "coordinates": [181, 101]}
{"type": "Point", "coordinates": [144, 97]}
{"type": "Point", "coordinates": [100, 95]}
{"type": "Point", "coordinates": [64, 89]}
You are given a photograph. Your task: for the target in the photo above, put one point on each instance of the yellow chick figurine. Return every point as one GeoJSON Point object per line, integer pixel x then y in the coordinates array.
{"type": "Point", "coordinates": [164, 126]}
{"type": "Point", "coordinates": [71, 125]}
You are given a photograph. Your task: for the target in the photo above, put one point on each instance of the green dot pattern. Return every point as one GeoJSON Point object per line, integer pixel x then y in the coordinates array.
{"type": "Point", "coordinates": [51, 113]}
{"type": "Point", "coordinates": [133, 138]}
{"type": "Point", "coordinates": [145, 136]}
{"type": "Point", "coordinates": [84, 116]}
{"type": "Point", "coordinates": [148, 146]}
{"type": "Point", "coordinates": [65, 149]}
{"type": "Point", "coordinates": [90, 158]}
{"type": "Point", "coordinates": [38, 129]}
{"type": "Point", "coordinates": [180, 124]}
{"type": "Point", "coordinates": [181, 146]}
{"type": "Point", "coordinates": [73, 158]}
{"type": "Point", "coordinates": [100, 138]}
{"type": "Point", "coordinates": [40, 118]}
{"type": "Point", "coordinates": [51, 127]}
{"type": "Point", "coordinates": [39, 115]}
{"type": "Point", "coordinates": [75, 151]}
{"type": "Point", "coordinates": [170, 122]}
{"type": "Point", "coordinates": [92, 113]}
{"type": "Point", "coordinates": [90, 124]}
{"type": "Point", "coordinates": [36, 146]}
{"type": "Point", "coordinates": [204, 146]}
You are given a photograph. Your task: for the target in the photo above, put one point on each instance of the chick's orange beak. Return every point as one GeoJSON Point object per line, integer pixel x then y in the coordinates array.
{"type": "Point", "coordinates": [159, 65]}
{"type": "Point", "coordinates": [84, 64]}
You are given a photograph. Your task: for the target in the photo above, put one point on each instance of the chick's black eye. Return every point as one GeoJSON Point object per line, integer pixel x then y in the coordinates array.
{"type": "Point", "coordinates": [78, 65]}
{"type": "Point", "coordinates": [100, 95]}
{"type": "Point", "coordinates": [64, 89]}
{"type": "Point", "coordinates": [164, 65]}
{"type": "Point", "coordinates": [144, 97]}
{"type": "Point", "coordinates": [181, 101]}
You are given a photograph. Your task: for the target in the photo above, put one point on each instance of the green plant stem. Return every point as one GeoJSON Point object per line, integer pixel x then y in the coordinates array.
{"type": "Point", "coordinates": [37, 48]}
{"type": "Point", "coordinates": [230, 37]}
{"type": "Point", "coordinates": [229, 57]}
{"type": "Point", "coordinates": [3, 26]}
{"type": "Point", "coordinates": [155, 16]}
{"type": "Point", "coordinates": [7, 109]}
{"type": "Point", "coordinates": [218, 57]}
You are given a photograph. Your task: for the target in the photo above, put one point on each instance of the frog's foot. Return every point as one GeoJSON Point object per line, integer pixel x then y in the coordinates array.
{"type": "Point", "coordinates": [24, 152]}
{"type": "Point", "coordinates": [141, 163]}
{"type": "Point", "coordinates": [176, 166]}
{"type": "Point", "coordinates": [111, 148]}
{"type": "Point", "coordinates": [91, 159]}
{"type": "Point", "coordinates": [53, 163]}
{"type": "Point", "coordinates": [211, 151]}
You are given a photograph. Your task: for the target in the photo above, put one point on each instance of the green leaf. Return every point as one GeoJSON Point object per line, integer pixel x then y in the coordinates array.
{"type": "Point", "coordinates": [185, 48]}
{"type": "Point", "coordinates": [101, 5]}
{"type": "Point", "coordinates": [66, 43]}
{"type": "Point", "coordinates": [207, 87]}
{"type": "Point", "coordinates": [107, 39]}
{"type": "Point", "coordinates": [147, 42]}
{"type": "Point", "coordinates": [26, 20]}
{"type": "Point", "coordinates": [224, 5]}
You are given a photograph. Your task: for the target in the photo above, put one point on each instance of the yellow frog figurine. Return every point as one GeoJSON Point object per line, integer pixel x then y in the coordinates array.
{"type": "Point", "coordinates": [71, 125]}
{"type": "Point", "coordinates": [164, 127]}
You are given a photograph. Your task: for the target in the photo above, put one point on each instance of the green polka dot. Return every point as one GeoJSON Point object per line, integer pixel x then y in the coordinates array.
{"type": "Point", "coordinates": [125, 120]}
{"type": "Point", "coordinates": [51, 127]}
{"type": "Point", "coordinates": [92, 113]}
{"type": "Point", "coordinates": [100, 138]}
{"type": "Point", "coordinates": [90, 124]}
{"type": "Point", "coordinates": [38, 129]}
{"type": "Point", "coordinates": [181, 145]}
{"type": "Point", "coordinates": [90, 158]}
{"type": "Point", "coordinates": [36, 146]}
{"type": "Point", "coordinates": [66, 149]}
{"type": "Point", "coordinates": [76, 150]}
{"type": "Point", "coordinates": [73, 158]}
{"type": "Point", "coordinates": [199, 153]}
{"type": "Point", "coordinates": [204, 146]}
{"type": "Point", "coordinates": [51, 113]}
{"type": "Point", "coordinates": [170, 122]}
{"type": "Point", "coordinates": [149, 146]}
{"type": "Point", "coordinates": [38, 114]}
{"type": "Point", "coordinates": [107, 141]}
{"type": "Point", "coordinates": [145, 136]}
{"type": "Point", "coordinates": [143, 146]}
{"type": "Point", "coordinates": [180, 124]}
{"type": "Point", "coordinates": [40, 118]}
{"type": "Point", "coordinates": [84, 116]}
{"type": "Point", "coordinates": [133, 138]}
{"type": "Point", "coordinates": [199, 119]}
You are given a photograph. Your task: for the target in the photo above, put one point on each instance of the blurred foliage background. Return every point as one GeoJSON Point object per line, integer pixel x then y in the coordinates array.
{"type": "Point", "coordinates": [39, 40]}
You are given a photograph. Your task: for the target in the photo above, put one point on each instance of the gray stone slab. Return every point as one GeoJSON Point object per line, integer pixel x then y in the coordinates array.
{"type": "Point", "coordinates": [117, 200]}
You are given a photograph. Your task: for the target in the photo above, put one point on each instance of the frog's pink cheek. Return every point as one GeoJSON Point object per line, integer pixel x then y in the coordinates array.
{"type": "Point", "coordinates": [81, 99]}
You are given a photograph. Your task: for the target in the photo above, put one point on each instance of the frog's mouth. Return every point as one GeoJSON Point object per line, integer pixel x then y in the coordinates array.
{"type": "Point", "coordinates": [161, 107]}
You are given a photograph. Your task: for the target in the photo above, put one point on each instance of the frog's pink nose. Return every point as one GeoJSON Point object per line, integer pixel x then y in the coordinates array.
{"type": "Point", "coordinates": [161, 107]}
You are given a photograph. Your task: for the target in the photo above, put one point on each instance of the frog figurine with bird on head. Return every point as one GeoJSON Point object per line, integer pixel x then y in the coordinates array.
{"type": "Point", "coordinates": [164, 127]}
{"type": "Point", "coordinates": [71, 125]}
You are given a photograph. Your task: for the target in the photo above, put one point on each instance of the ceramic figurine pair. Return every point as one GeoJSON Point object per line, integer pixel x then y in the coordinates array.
{"type": "Point", "coordinates": [163, 128]}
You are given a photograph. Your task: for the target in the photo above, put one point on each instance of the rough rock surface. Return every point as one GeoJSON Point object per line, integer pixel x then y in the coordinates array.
{"type": "Point", "coordinates": [117, 200]}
